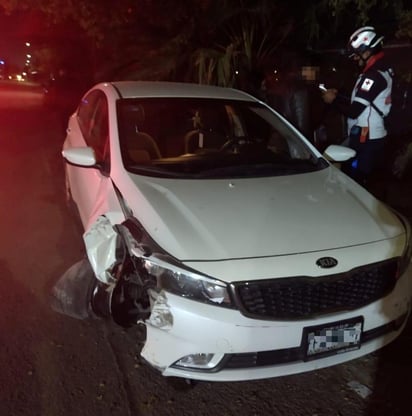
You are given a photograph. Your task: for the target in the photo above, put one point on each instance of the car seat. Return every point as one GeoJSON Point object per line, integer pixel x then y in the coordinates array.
{"type": "Point", "coordinates": [142, 148]}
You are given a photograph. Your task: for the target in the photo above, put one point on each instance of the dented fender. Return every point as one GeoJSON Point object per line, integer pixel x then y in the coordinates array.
{"type": "Point", "coordinates": [101, 241]}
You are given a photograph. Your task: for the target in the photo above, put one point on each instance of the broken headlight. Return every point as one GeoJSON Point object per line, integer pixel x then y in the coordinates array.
{"type": "Point", "coordinates": [188, 284]}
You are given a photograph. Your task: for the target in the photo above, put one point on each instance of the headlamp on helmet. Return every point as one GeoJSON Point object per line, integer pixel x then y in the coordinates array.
{"type": "Point", "coordinates": [364, 39]}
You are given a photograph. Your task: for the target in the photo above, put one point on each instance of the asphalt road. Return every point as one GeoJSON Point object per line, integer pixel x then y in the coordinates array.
{"type": "Point", "coordinates": [52, 365]}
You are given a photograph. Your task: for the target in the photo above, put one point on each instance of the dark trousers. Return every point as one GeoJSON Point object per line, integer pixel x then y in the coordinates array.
{"type": "Point", "coordinates": [369, 157]}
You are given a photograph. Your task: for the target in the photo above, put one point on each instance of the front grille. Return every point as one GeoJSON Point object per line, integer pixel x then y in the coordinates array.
{"type": "Point", "coordinates": [304, 297]}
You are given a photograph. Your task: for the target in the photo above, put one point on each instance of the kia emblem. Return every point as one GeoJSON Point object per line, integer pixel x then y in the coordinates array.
{"type": "Point", "coordinates": [326, 262]}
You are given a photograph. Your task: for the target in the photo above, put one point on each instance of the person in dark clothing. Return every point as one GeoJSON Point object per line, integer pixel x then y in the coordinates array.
{"type": "Point", "coordinates": [293, 92]}
{"type": "Point", "coordinates": [289, 96]}
{"type": "Point", "coordinates": [369, 102]}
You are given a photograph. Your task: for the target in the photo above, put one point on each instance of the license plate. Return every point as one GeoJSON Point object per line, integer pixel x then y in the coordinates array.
{"type": "Point", "coordinates": [333, 338]}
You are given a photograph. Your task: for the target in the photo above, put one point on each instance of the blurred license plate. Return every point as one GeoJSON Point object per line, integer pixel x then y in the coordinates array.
{"type": "Point", "coordinates": [329, 339]}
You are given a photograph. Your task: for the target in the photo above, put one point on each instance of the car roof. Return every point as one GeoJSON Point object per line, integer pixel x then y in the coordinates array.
{"type": "Point", "coordinates": [140, 89]}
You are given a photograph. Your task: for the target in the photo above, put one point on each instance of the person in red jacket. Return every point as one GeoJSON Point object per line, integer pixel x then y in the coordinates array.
{"type": "Point", "coordinates": [369, 103]}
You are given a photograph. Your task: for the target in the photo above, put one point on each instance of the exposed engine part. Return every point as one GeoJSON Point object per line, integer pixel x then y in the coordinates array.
{"type": "Point", "coordinates": [101, 300]}
{"type": "Point", "coordinates": [127, 302]}
{"type": "Point", "coordinates": [130, 302]}
{"type": "Point", "coordinates": [112, 281]}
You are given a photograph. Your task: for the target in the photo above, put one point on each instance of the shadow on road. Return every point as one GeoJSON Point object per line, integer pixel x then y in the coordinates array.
{"type": "Point", "coordinates": [391, 392]}
{"type": "Point", "coordinates": [22, 332]}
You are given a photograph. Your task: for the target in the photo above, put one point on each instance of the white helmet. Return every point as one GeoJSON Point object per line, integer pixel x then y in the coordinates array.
{"type": "Point", "coordinates": [364, 39]}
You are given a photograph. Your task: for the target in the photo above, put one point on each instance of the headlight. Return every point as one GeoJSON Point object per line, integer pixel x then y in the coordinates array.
{"type": "Point", "coordinates": [188, 284]}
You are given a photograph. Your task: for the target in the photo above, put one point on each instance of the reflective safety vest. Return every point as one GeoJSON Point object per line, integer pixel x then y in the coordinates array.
{"type": "Point", "coordinates": [370, 117]}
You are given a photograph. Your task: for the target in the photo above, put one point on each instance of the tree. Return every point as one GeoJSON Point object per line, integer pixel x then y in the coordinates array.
{"type": "Point", "coordinates": [208, 40]}
{"type": "Point", "coordinates": [249, 38]}
{"type": "Point", "coordinates": [253, 34]}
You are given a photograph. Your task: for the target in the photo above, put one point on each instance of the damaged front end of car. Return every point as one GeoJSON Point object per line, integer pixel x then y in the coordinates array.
{"type": "Point", "coordinates": [114, 280]}
{"type": "Point", "coordinates": [126, 276]}
{"type": "Point", "coordinates": [125, 290]}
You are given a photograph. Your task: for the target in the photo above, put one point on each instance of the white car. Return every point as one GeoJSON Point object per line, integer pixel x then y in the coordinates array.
{"type": "Point", "coordinates": [213, 222]}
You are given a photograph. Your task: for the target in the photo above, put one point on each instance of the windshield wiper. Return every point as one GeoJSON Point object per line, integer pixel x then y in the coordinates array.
{"type": "Point", "coordinates": [260, 169]}
{"type": "Point", "coordinates": [240, 166]}
{"type": "Point", "coordinates": [155, 171]}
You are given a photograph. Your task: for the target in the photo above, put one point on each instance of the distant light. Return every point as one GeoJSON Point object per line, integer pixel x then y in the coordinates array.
{"type": "Point", "coordinates": [28, 56]}
{"type": "Point", "coordinates": [27, 44]}
{"type": "Point", "coordinates": [1, 62]}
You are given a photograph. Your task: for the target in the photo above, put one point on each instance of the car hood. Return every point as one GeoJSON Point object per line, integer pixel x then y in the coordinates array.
{"type": "Point", "coordinates": [258, 217]}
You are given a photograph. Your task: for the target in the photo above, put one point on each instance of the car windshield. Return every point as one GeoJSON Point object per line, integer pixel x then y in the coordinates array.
{"type": "Point", "coordinates": [209, 138]}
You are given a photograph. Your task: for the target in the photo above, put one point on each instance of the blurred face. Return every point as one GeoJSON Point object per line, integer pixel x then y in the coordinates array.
{"type": "Point", "coordinates": [361, 59]}
{"type": "Point", "coordinates": [310, 73]}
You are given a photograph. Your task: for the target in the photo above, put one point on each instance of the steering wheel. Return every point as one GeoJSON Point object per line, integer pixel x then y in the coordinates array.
{"type": "Point", "coordinates": [236, 142]}
{"type": "Point", "coordinates": [233, 143]}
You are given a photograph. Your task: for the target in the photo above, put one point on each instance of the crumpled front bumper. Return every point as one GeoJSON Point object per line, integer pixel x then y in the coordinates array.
{"type": "Point", "coordinates": [178, 328]}
{"type": "Point", "coordinates": [202, 329]}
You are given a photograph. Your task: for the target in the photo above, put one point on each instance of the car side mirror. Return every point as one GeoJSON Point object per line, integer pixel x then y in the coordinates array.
{"type": "Point", "coordinates": [80, 156]}
{"type": "Point", "coordinates": [337, 153]}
